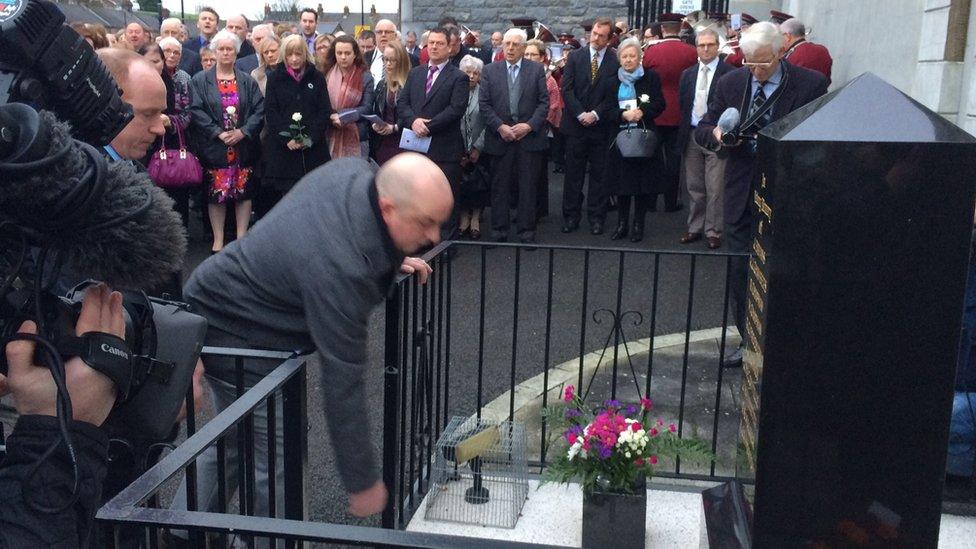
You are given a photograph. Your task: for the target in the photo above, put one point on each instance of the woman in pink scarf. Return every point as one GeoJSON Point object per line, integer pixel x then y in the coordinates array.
{"type": "Point", "coordinates": [351, 93]}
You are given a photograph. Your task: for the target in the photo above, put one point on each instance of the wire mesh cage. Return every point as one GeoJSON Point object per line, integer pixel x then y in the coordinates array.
{"type": "Point", "coordinates": [480, 473]}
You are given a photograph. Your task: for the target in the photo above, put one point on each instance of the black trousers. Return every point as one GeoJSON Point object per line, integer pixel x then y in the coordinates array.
{"type": "Point", "coordinates": [516, 168]}
{"type": "Point", "coordinates": [557, 144]}
{"type": "Point", "coordinates": [671, 151]}
{"type": "Point", "coordinates": [453, 172]}
{"type": "Point", "coordinates": [182, 199]}
{"type": "Point", "coordinates": [589, 149]}
{"type": "Point", "coordinates": [738, 236]}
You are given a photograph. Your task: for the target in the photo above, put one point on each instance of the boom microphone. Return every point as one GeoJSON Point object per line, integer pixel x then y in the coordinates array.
{"type": "Point", "coordinates": [106, 220]}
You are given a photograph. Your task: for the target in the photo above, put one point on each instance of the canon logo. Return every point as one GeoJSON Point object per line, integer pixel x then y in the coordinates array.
{"type": "Point", "coordinates": [106, 348]}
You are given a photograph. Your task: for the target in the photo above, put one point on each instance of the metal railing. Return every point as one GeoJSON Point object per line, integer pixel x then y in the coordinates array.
{"type": "Point", "coordinates": [483, 325]}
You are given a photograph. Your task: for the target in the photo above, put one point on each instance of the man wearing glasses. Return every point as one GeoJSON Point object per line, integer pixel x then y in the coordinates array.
{"type": "Point", "coordinates": [704, 169]}
{"type": "Point", "coordinates": [764, 90]}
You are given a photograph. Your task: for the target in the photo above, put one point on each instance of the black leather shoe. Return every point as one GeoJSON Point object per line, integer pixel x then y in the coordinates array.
{"type": "Point", "coordinates": [733, 360]}
{"type": "Point", "coordinates": [619, 232]}
{"type": "Point", "coordinates": [637, 234]}
{"type": "Point", "coordinates": [570, 226]}
{"type": "Point", "coordinates": [596, 228]}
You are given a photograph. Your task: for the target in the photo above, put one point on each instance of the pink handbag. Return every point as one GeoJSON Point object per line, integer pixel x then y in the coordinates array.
{"type": "Point", "coordinates": [175, 168]}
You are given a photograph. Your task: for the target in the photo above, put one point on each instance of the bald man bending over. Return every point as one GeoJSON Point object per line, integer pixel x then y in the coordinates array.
{"type": "Point", "coordinates": [307, 277]}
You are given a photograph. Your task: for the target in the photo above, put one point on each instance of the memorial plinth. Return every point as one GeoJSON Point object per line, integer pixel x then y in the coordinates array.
{"type": "Point", "coordinates": [865, 210]}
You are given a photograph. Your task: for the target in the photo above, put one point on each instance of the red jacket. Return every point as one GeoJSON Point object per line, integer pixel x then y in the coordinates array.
{"type": "Point", "coordinates": [811, 56]}
{"type": "Point", "coordinates": [669, 58]}
{"type": "Point", "coordinates": [735, 58]}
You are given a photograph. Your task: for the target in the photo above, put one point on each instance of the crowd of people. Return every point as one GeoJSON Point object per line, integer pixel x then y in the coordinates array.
{"type": "Point", "coordinates": [260, 107]}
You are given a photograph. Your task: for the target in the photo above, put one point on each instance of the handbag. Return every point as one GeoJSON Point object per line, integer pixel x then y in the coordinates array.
{"type": "Point", "coordinates": [175, 168]}
{"type": "Point", "coordinates": [636, 142]}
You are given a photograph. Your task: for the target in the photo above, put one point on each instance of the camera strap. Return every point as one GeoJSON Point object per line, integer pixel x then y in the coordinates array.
{"type": "Point", "coordinates": [104, 352]}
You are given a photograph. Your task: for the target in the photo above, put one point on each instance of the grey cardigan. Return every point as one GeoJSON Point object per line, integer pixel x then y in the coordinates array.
{"type": "Point", "coordinates": [307, 276]}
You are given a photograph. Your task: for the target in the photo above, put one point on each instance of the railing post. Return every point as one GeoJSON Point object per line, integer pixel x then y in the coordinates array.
{"type": "Point", "coordinates": [294, 418]}
{"type": "Point", "coordinates": [391, 405]}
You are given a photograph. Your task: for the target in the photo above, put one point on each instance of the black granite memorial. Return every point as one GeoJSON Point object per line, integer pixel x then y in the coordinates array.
{"type": "Point", "coordinates": [856, 281]}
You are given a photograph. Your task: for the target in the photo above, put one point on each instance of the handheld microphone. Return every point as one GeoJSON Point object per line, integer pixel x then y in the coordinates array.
{"type": "Point", "coordinates": [728, 123]}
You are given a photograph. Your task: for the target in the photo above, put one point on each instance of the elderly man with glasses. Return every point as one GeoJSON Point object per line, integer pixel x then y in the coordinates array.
{"type": "Point", "coordinates": [775, 88]}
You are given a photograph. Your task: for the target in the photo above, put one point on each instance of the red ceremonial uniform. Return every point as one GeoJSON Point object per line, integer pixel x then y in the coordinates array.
{"type": "Point", "coordinates": [669, 58]}
{"type": "Point", "coordinates": [810, 56]}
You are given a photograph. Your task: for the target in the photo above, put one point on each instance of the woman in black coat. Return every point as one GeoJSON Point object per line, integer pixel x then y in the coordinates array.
{"type": "Point", "coordinates": [294, 87]}
{"type": "Point", "coordinates": [633, 180]}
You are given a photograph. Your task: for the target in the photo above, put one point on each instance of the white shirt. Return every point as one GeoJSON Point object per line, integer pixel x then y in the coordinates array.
{"type": "Point", "coordinates": [599, 54]}
{"type": "Point", "coordinates": [376, 68]}
{"type": "Point", "coordinates": [708, 85]}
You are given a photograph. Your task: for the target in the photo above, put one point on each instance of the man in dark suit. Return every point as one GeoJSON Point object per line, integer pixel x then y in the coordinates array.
{"type": "Point", "coordinates": [704, 170]}
{"type": "Point", "coordinates": [189, 59]}
{"type": "Point", "coordinates": [207, 20]}
{"type": "Point", "coordinates": [775, 89]}
{"type": "Point", "coordinates": [514, 102]}
{"type": "Point", "coordinates": [589, 89]}
{"type": "Point", "coordinates": [432, 103]}
{"type": "Point", "coordinates": [251, 62]}
{"type": "Point", "coordinates": [669, 58]}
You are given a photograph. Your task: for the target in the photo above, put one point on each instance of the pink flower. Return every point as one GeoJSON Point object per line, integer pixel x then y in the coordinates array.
{"type": "Point", "coordinates": [660, 422]}
{"type": "Point", "coordinates": [639, 462]}
{"type": "Point", "coordinates": [653, 460]}
{"type": "Point", "coordinates": [672, 428]}
{"type": "Point", "coordinates": [568, 395]}
{"type": "Point", "coordinates": [571, 438]}
{"type": "Point", "coordinates": [646, 404]}
{"type": "Point", "coordinates": [635, 426]}
{"type": "Point", "coordinates": [653, 432]}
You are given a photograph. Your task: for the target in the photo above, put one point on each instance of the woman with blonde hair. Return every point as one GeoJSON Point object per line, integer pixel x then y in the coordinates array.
{"type": "Point", "coordinates": [297, 94]}
{"type": "Point", "coordinates": [268, 58]}
{"type": "Point", "coordinates": [385, 137]}
{"type": "Point", "coordinates": [323, 43]}
{"type": "Point", "coordinates": [350, 88]}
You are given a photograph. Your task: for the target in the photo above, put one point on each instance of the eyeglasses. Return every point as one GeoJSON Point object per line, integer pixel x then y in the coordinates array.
{"type": "Point", "coordinates": [765, 65]}
{"type": "Point", "coordinates": [712, 45]}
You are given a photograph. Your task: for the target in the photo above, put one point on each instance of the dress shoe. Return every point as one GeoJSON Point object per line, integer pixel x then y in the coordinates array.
{"type": "Point", "coordinates": [619, 232]}
{"type": "Point", "coordinates": [714, 242]}
{"type": "Point", "coordinates": [596, 228]}
{"type": "Point", "coordinates": [734, 360]}
{"type": "Point", "coordinates": [570, 226]}
{"type": "Point", "coordinates": [674, 208]}
{"type": "Point", "coordinates": [637, 233]}
{"type": "Point", "coordinates": [688, 238]}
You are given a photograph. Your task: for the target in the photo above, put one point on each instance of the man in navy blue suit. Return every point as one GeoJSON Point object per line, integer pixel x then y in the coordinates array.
{"type": "Point", "coordinates": [589, 89]}
{"type": "Point", "coordinates": [704, 170]}
{"type": "Point", "coordinates": [764, 90]}
{"type": "Point", "coordinates": [431, 104]}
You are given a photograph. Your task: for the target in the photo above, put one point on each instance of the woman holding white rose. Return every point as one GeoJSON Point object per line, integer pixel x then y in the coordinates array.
{"type": "Point", "coordinates": [297, 111]}
{"type": "Point", "coordinates": [634, 180]}
{"type": "Point", "coordinates": [227, 114]}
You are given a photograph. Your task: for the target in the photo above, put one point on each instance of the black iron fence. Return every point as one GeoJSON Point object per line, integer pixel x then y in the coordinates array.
{"type": "Point", "coordinates": [499, 331]}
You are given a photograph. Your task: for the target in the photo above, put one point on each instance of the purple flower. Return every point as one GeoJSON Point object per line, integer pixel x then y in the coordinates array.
{"type": "Point", "coordinates": [604, 451]}
{"type": "Point", "coordinates": [612, 403]}
{"type": "Point", "coordinates": [574, 429]}
{"type": "Point", "coordinates": [631, 409]}
{"type": "Point", "coordinates": [571, 412]}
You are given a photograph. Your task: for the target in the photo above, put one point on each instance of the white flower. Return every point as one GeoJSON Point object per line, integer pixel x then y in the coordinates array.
{"type": "Point", "coordinates": [627, 454]}
{"type": "Point", "coordinates": [231, 110]}
{"type": "Point", "coordinates": [297, 117]}
{"type": "Point", "coordinates": [644, 98]}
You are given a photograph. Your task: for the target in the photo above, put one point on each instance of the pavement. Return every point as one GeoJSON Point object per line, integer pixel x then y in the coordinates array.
{"type": "Point", "coordinates": [526, 324]}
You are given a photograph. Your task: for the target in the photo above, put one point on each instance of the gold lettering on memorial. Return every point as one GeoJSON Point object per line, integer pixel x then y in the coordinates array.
{"type": "Point", "coordinates": [760, 251]}
{"type": "Point", "coordinates": [762, 183]}
{"type": "Point", "coordinates": [757, 272]}
{"type": "Point", "coordinates": [754, 292]}
{"type": "Point", "coordinates": [762, 206]}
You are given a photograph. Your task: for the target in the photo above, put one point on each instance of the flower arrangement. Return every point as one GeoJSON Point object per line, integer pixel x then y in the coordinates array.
{"type": "Point", "coordinates": [614, 446]}
{"type": "Point", "coordinates": [296, 131]}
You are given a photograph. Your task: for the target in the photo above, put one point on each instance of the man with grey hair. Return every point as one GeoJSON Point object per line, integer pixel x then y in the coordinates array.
{"type": "Point", "coordinates": [775, 88]}
{"type": "Point", "coordinates": [803, 53]}
{"type": "Point", "coordinates": [239, 25]}
{"type": "Point", "coordinates": [514, 103]}
{"type": "Point", "coordinates": [189, 59]}
{"type": "Point", "coordinates": [704, 170]}
{"type": "Point", "coordinates": [410, 43]}
{"type": "Point", "coordinates": [258, 33]}
{"type": "Point", "coordinates": [385, 32]}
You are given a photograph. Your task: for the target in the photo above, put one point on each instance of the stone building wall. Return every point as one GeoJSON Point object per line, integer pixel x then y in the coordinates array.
{"type": "Point", "coordinates": [490, 15]}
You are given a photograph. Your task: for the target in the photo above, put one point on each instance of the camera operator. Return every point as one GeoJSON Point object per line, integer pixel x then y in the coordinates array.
{"type": "Point", "coordinates": [26, 479]}
{"type": "Point", "coordinates": [142, 88]}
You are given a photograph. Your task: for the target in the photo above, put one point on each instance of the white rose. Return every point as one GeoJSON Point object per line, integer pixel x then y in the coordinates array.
{"type": "Point", "coordinates": [297, 117]}
{"type": "Point", "coordinates": [644, 98]}
{"type": "Point", "coordinates": [231, 110]}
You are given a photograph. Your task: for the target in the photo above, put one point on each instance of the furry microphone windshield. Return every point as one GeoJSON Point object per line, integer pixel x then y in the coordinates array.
{"type": "Point", "coordinates": [66, 196]}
